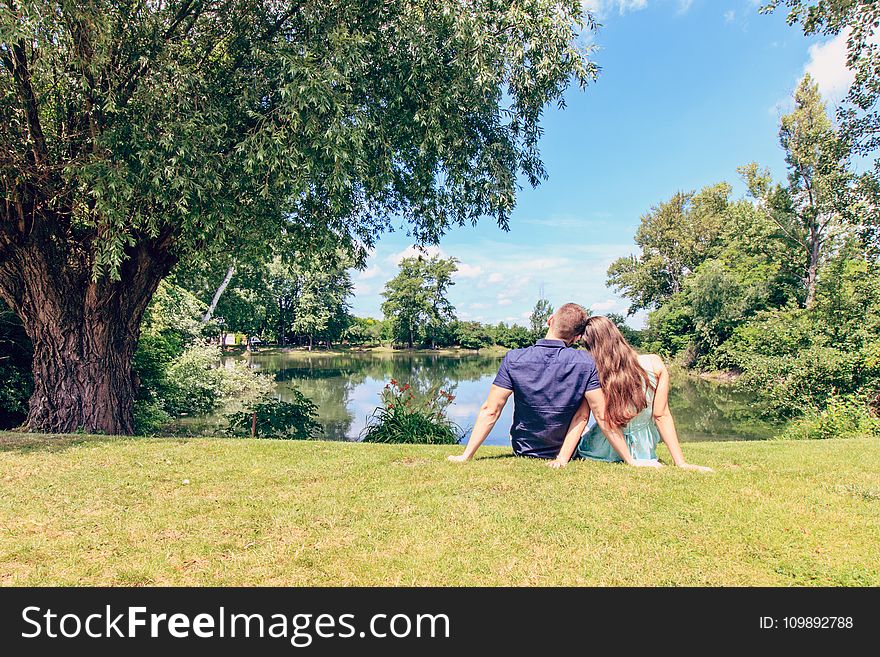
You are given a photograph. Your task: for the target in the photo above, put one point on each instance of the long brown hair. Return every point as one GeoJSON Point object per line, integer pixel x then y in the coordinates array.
{"type": "Point", "coordinates": [624, 381]}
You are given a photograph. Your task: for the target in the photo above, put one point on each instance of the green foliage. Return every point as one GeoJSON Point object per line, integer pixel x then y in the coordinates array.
{"type": "Point", "coordinates": [810, 210]}
{"type": "Point", "coordinates": [841, 417]}
{"type": "Point", "coordinates": [217, 126]}
{"type": "Point", "coordinates": [802, 358]}
{"type": "Point", "coordinates": [513, 336]}
{"type": "Point", "coordinates": [16, 379]}
{"type": "Point", "coordinates": [473, 335]}
{"type": "Point", "coordinates": [198, 383]}
{"type": "Point", "coordinates": [858, 113]}
{"type": "Point", "coordinates": [291, 419]}
{"type": "Point", "coordinates": [364, 331]}
{"type": "Point", "coordinates": [671, 330]}
{"type": "Point", "coordinates": [674, 238]}
{"type": "Point", "coordinates": [407, 417]}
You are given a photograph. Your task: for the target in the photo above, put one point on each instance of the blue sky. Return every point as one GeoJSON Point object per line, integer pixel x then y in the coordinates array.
{"type": "Point", "coordinates": [689, 90]}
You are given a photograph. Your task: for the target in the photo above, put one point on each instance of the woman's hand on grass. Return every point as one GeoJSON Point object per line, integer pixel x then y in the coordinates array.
{"type": "Point", "coordinates": [457, 458]}
{"type": "Point", "coordinates": [696, 468]}
{"type": "Point", "coordinates": [556, 464]}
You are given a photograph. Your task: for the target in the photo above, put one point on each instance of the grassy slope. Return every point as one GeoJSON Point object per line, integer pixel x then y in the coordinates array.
{"type": "Point", "coordinates": [93, 511]}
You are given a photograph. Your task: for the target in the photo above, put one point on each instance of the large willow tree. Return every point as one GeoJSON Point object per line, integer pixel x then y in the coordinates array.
{"type": "Point", "coordinates": [136, 134]}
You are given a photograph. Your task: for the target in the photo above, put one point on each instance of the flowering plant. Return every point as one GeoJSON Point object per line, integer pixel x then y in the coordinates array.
{"type": "Point", "coordinates": [407, 416]}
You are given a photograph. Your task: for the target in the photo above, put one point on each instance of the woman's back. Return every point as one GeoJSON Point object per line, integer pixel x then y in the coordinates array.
{"type": "Point", "coordinates": [640, 432]}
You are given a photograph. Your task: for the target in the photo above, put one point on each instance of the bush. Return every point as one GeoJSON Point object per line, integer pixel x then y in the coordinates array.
{"type": "Point", "coordinates": [16, 384]}
{"type": "Point", "coordinates": [842, 417]}
{"type": "Point", "coordinates": [407, 418]}
{"type": "Point", "coordinates": [16, 380]}
{"type": "Point", "coordinates": [290, 420]}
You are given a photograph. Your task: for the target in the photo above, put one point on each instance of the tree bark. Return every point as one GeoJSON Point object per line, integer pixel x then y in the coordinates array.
{"type": "Point", "coordinates": [84, 332]}
{"type": "Point", "coordinates": [812, 274]}
{"type": "Point", "coordinates": [219, 293]}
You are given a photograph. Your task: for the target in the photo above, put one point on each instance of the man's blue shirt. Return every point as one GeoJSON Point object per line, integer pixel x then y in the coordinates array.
{"type": "Point", "coordinates": [548, 381]}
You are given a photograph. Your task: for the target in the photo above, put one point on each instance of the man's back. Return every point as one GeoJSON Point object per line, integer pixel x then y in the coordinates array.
{"type": "Point", "coordinates": [548, 381]}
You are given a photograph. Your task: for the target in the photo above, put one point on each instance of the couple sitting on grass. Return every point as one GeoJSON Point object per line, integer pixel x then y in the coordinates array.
{"type": "Point", "coordinates": [555, 388]}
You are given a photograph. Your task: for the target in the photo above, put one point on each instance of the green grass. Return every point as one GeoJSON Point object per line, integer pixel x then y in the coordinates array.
{"type": "Point", "coordinates": [80, 510]}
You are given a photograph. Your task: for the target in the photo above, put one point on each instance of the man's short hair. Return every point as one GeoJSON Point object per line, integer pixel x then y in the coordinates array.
{"type": "Point", "coordinates": [570, 321]}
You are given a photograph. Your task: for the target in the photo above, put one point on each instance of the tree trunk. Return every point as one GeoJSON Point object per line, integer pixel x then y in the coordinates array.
{"type": "Point", "coordinates": [282, 339]}
{"type": "Point", "coordinates": [812, 275]}
{"type": "Point", "coordinates": [220, 290]}
{"type": "Point", "coordinates": [84, 333]}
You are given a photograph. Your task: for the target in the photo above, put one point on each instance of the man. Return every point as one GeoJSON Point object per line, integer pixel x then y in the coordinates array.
{"type": "Point", "coordinates": [550, 383]}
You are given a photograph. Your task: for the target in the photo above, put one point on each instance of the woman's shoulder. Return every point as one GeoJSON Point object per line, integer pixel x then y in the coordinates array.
{"type": "Point", "coordinates": [652, 362]}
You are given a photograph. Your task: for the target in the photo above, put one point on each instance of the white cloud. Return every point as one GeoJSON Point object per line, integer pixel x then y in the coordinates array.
{"type": "Point", "coordinates": [684, 5]}
{"type": "Point", "coordinates": [605, 7]}
{"type": "Point", "coordinates": [468, 271]}
{"type": "Point", "coordinates": [828, 68]}
{"type": "Point", "coordinates": [511, 276]}
{"type": "Point", "coordinates": [729, 16]}
{"type": "Point", "coordinates": [604, 306]}
{"type": "Point", "coordinates": [414, 251]}
{"type": "Point", "coordinates": [370, 272]}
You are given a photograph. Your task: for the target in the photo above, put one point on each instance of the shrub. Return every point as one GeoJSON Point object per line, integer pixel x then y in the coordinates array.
{"type": "Point", "coordinates": [408, 418]}
{"type": "Point", "coordinates": [16, 380]}
{"type": "Point", "coordinates": [16, 384]}
{"type": "Point", "coordinates": [290, 420]}
{"type": "Point", "coordinates": [195, 383]}
{"type": "Point", "coordinates": [842, 417]}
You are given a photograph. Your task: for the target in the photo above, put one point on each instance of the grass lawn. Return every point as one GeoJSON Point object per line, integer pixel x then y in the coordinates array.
{"type": "Point", "coordinates": [242, 512]}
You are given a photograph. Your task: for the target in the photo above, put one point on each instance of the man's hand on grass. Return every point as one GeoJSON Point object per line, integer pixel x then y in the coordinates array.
{"type": "Point", "coordinates": [457, 458]}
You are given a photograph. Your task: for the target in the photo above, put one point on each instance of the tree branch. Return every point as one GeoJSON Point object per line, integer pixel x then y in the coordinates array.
{"type": "Point", "coordinates": [21, 75]}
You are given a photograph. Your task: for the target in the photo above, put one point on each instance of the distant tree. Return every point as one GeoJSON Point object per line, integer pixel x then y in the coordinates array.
{"type": "Point", "coordinates": [415, 299]}
{"type": "Point", "coordinates": [363, 331]}
{"type": "Point", "coordinates": [438, 275]}
{"type": "Point", "coordinates": [513, 336]}
{"type": "Point", "coordinates": [674, 238]}
{"type": "Point", "coordinates": [538, 319]}
{"type": "Point", "coordinates": [811, 207]}
{"type": "Point", "coordinates": [473, 335]}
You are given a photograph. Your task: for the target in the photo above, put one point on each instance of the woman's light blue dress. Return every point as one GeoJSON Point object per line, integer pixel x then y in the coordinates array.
{"type": "Point", "coordinates": [641, 434]}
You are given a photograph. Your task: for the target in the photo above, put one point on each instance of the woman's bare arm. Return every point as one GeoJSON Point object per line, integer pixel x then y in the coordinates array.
{"type": "Point", "coordinates": [663, 417]}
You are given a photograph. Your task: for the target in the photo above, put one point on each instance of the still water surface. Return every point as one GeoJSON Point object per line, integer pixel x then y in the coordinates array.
{"type": "Point", "coordinates": [346, 390]}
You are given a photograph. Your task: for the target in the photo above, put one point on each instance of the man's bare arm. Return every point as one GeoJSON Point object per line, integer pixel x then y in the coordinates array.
{"type": "Point", "coordinates": [572, 437]}
{"type": "Point", "coordinates": [490, 411]}
{"type": "Point", "coordinates": [614, 435]}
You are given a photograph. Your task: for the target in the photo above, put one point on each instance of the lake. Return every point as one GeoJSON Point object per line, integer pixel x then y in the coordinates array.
{"type": "Point", "coordinates": [346, 389]}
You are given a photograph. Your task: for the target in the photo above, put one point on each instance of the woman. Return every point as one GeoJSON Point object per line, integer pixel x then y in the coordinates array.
{"type": "Point", "coordinates": [636, 398]}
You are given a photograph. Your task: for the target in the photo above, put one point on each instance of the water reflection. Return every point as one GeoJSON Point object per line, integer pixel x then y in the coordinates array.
{"type": "Point", "coordinates": [346, 390]}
